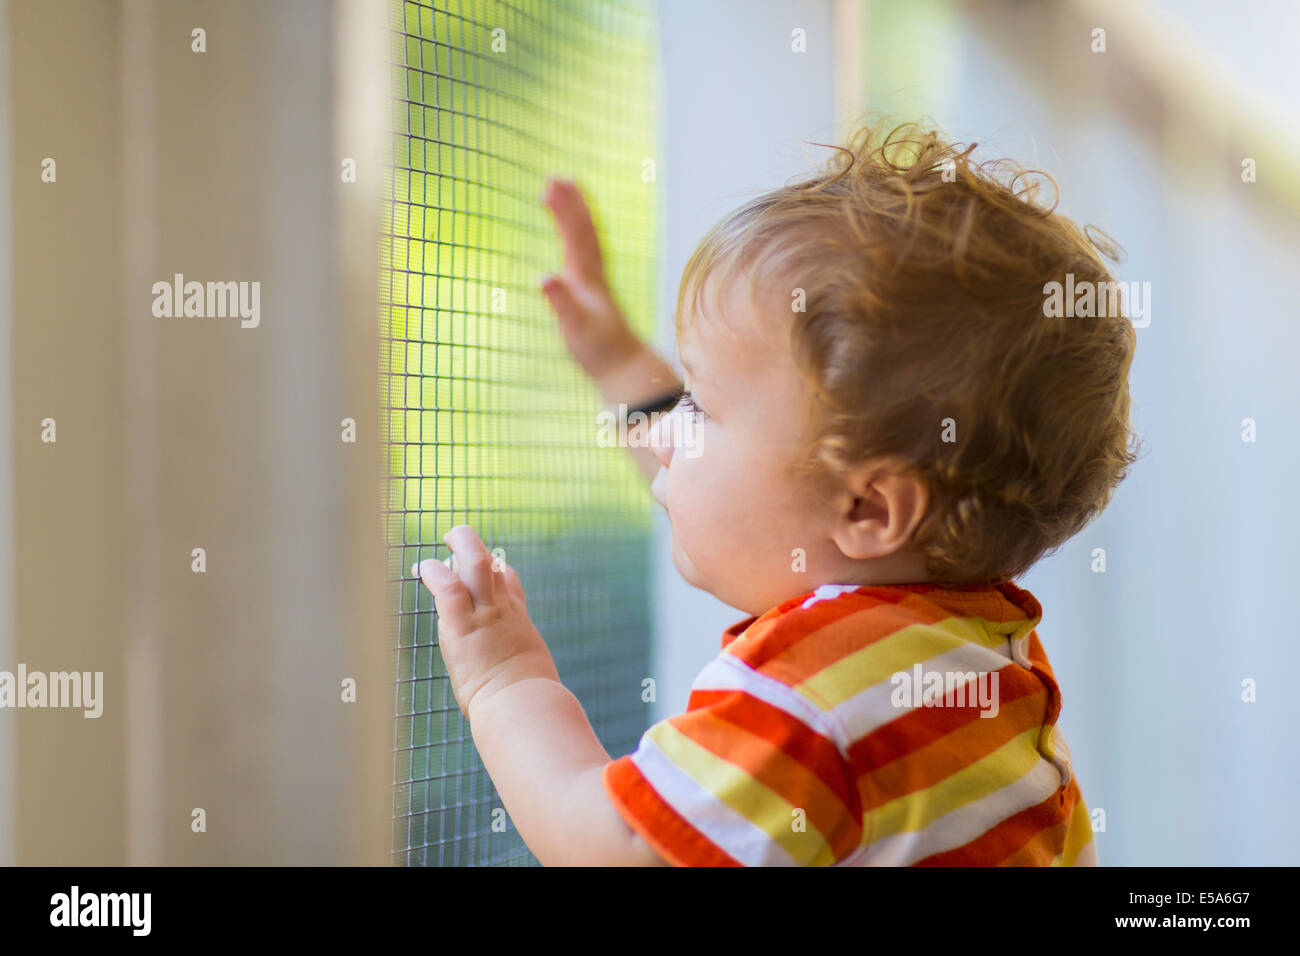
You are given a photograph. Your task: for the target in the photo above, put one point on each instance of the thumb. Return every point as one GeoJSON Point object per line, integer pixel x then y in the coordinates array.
{"type": "Point", "coordinates": [451, 597]}
{"type": "Point", "coordinates": [512, 582]}
{"type": "Point", "coordinates": [562, 299]}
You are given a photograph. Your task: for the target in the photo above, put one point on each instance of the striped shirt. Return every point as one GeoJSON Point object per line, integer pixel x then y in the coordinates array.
{"type": "Point", "coordinates": [907, 725]}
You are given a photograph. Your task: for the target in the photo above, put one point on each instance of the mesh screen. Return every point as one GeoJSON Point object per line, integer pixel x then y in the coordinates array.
{"type": "Point", "coordinates": [487, 421]}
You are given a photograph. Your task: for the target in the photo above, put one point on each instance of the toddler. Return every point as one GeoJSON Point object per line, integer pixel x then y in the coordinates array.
{"type": "Point", "coordinates": [888, 426]}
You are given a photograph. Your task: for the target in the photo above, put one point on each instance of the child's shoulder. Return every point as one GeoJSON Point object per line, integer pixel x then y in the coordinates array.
{"type": "Point", "coordinates": [861, 615]}
{"type": "Point", "coordinates": [830, 613]}
{"type": "Point", "coordinates": [831, 642]}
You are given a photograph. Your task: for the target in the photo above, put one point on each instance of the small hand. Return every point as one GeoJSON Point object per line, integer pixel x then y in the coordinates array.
{"type": "Point", "coordinates": [487, 639]}
{"type": "Point", "coordinates": [595, 330]}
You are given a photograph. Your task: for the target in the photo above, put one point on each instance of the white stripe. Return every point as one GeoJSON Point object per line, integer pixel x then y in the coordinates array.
{"type": "Point", "coordinates": [828, 592]}
{"type": "Point", "coordinates": [728, 672]}
{"type": "Point", "coordinates": [742, 839]}
{"type": "Point", "coordinates": [962, 825]}
{"type": "Point", "coordinates": [871, 708]}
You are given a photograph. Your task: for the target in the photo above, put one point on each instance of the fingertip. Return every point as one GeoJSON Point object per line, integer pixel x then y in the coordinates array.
{"type": "Point", "coordinates": [425, 573]}
{"type": "Point", "coordinates": [555, 188]}
{"type": "Point", "coordinates": [460, 530]}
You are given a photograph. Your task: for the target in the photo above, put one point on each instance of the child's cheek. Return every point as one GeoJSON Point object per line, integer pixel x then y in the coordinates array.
{"type": "Point", "coordinates": [689, 498]}
{"type": "Point", "coordinates": [708, 492]}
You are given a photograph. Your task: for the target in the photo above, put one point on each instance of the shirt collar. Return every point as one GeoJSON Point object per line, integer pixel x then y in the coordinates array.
{"type": "Point", "coordinates": [1000, 602]}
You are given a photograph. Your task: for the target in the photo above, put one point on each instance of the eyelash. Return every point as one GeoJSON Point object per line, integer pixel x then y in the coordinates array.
{"type": "Point", "coordinates": [687, 399]}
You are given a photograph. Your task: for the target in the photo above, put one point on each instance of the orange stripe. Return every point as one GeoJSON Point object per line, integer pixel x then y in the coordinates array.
{"type": "Point", "coordinates": [1031, 833]}
{"type": "Point", "coordinates": [922, 726]}
{"type": "Point", "coordinates": [1040, 667]}
{"type": "Point", "coordinates": [766, 639]}
{"type": "Point", "coordinates": [819, 756]}
{"type": "Point", "coordinates": [1034, 852]}
{"type": "Point", "coordinates": [763, 757]}
{"type": "Point", "coordinates": [801, 660]}
{"type": "Point", "coordinates": [658, 824]}
{"type": "Point", "coordinates": [1039, 850]}
{"type": "Point", "coordinates": [737, 629]}
{"type": "Point", "coordinates": [975, 739]}
{"type": "Point", "coordinates": [778, 629]}
{"type": "Point", "coordinates": [1000, 603]}
{"type": "Point", "coordinates": [741, 627]}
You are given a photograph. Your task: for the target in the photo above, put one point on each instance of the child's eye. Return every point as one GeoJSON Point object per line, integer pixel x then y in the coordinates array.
{"type": "Point", "coordinates": [687, 401]}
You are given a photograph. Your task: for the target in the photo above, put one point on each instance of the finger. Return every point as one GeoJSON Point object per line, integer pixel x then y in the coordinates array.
{"type": "Point", "coordinates": [561, 297]}
{"type": "Point", "coordinates": [577, 230]}
{"type": "Point", "coordinates": [474, 562]}
{"type": "Point", "coordinates": [452, 599]}
{"type": "Point", "coordinates": [514, 585]}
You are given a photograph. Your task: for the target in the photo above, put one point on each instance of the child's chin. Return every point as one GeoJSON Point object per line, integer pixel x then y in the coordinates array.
{"type": "Point", "coordinates": [683, 564]}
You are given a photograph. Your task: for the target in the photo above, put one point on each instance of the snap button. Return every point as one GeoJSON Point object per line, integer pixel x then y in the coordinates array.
{"type": "Point", "coordinates": [1020, 652]}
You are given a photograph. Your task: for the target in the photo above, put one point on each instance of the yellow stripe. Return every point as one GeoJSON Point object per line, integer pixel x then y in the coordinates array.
{"type": "Point", "coordinates": [744, 794]}
{"type": "Point", "coordinates": [876, 663]}
{"type": "Point", "coordinates": [915, 811]}
{"type": "Point", "coordinates": [1079, 834]}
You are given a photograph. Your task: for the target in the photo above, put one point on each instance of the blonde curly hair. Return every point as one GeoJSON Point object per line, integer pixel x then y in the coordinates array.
{"type": "Point", "coordinates": [923, 279]}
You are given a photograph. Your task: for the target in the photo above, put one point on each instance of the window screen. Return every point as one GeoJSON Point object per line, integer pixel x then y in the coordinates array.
{"type": "Point", "coordinates": [487, 420]}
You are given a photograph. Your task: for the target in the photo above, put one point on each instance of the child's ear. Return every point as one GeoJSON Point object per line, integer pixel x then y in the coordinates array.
{"type": "Point", "coordinates": [877, 510]}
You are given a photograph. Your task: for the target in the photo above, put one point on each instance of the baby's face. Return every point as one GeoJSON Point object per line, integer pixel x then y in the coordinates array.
{"type": "Point", "coordinates": [737, 510]}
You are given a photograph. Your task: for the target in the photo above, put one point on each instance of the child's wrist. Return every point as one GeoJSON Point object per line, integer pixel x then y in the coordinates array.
{"type": "Point", "coordinates": [640, 379]}
{"type": "Point", "coordinates": [503, 686]}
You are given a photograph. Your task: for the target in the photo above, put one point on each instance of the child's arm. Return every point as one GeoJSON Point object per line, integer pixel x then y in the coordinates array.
{"type": "Point", "coordinates": [546, 762]}
{"type": "Point", "coordinates": [531, 732]}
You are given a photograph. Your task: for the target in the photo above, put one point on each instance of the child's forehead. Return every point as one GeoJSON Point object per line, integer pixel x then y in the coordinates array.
{"type": "Point", "coordinates": [729, 329]}
{"type": "Point", "coordinates": [706, 346]}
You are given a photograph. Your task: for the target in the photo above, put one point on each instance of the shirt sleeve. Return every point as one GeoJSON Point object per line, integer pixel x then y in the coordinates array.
{"type": "Point", "coordinates": [750, 775]}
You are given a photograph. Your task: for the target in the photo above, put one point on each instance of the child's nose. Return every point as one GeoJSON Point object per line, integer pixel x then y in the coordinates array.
{"type": "Point", "coordinates": [661, 437]}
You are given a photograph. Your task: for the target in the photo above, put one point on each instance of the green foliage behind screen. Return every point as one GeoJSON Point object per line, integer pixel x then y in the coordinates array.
{"type": "Point", "coordinates": [488, 421]}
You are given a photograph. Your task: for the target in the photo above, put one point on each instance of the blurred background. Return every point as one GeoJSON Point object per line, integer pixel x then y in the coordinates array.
{"type": "Point", "coordinates": [1146, 140]}
{"type": "Point", "coordinates": [377, 166]}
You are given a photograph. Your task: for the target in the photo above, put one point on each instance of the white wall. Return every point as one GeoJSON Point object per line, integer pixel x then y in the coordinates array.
{"type": "Point", "coordinates": [1146, 140]}
{"type": "Point", "coordinates": [737, 106]}
{"type": "Point", "coordinates": [1202, 539]}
